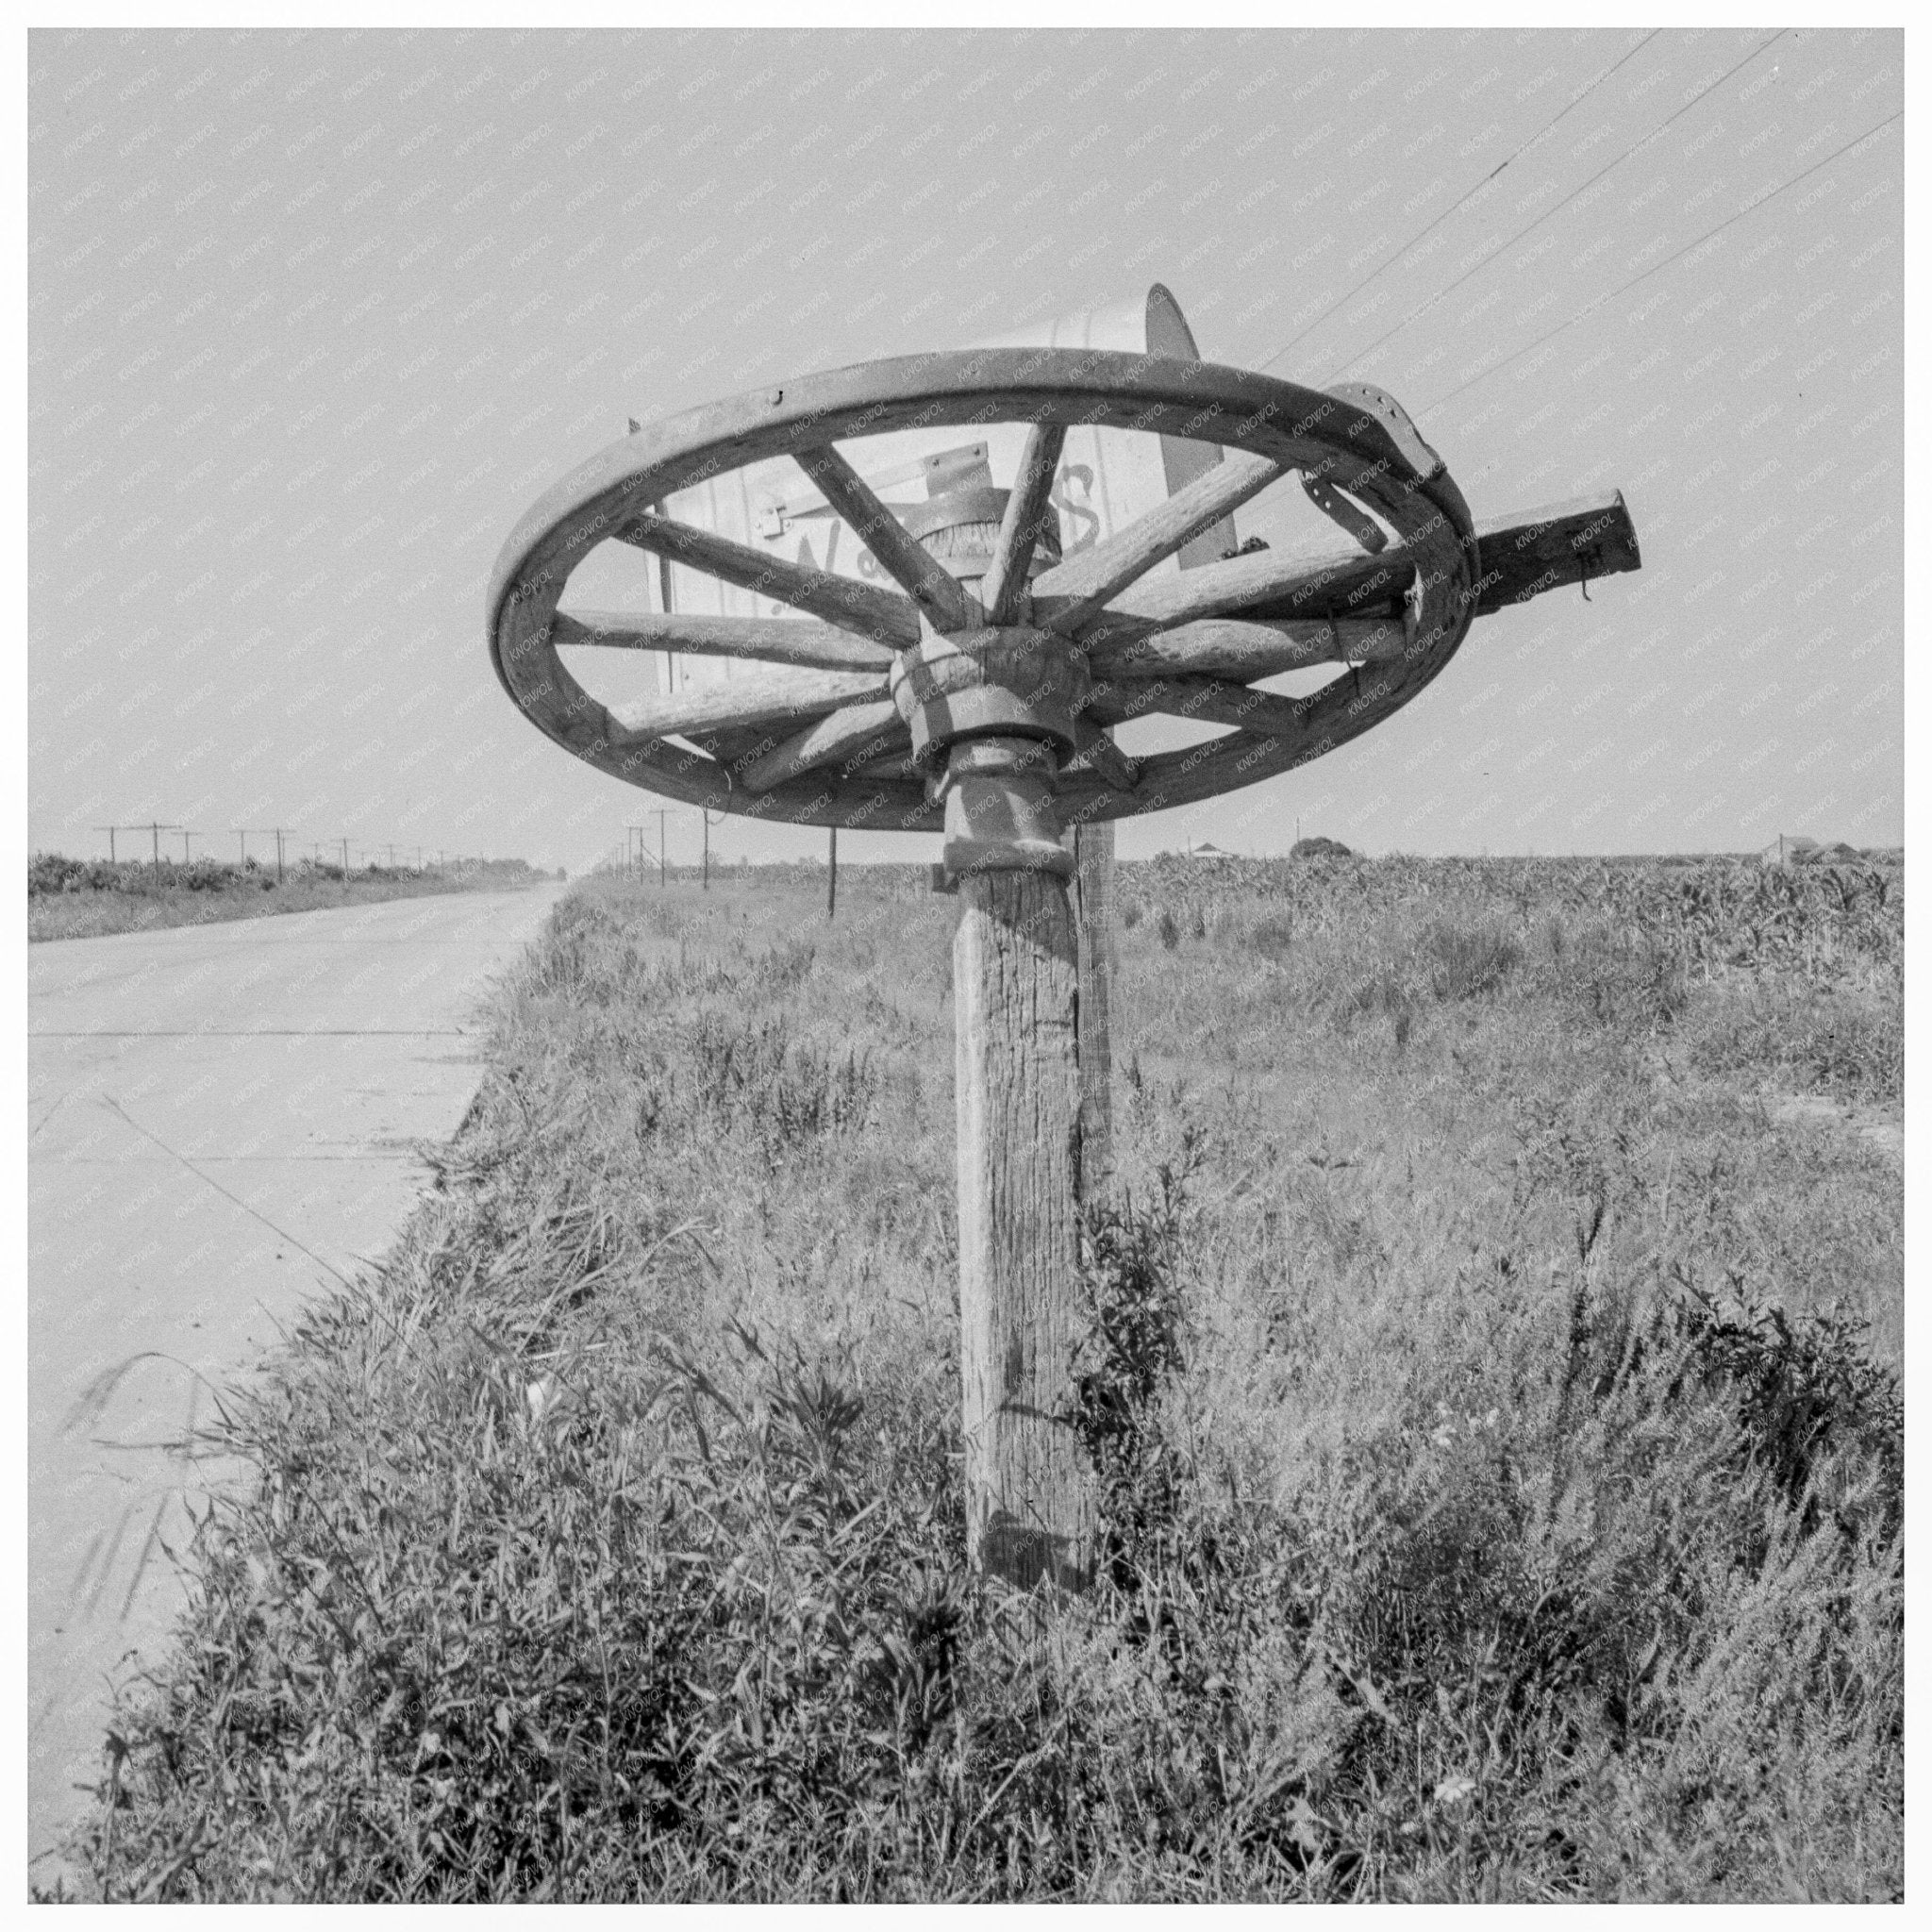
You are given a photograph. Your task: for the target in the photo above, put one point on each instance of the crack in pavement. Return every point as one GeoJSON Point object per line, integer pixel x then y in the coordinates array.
{"type": "Point", "coordinates": [254, 1212]}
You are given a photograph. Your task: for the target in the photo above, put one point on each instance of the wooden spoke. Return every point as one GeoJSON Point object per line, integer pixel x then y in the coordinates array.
{"type": "Point", "coordinates": [1273, 582]}
{"type": "Point", "coordinates": [937, 592]}
{"type": "Point", "coordinates": [1101, 754]}
{"type": "Point", "coordinates": [766, 698]}
{"type": "Point", "coordinates": [1521, 556]}
{"type": "Point", "coordinates": [1245, 650]}
{"type": "Point", "coordinates": [1088, 581]}
{"type": "Point", "coordinates": [882, 615]}
{"type": "Point", "coordinates": [772, 640]}
{"type": "Point", "coordinates": [887, 767]}
{"type": "Point", "coordinates": [1208, 700]}
{"type": "Point", "coordinates": [736, 750]}
{"type": "Point", "coordinates": [1006, 579]}
{"type": "Point", "coordinates": [860, 732]}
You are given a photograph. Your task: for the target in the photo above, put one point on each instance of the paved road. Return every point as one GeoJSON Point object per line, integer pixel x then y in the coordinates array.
{"type": "Point", "coordinates": [221, 1124]}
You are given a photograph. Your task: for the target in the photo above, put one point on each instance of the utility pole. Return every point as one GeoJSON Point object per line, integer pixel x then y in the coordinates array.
{"type": "Point", "coordinates": [280, 833]}
{"type": "Point", "coordinates": [158, 828]}
{"type": "Point", "coordinates": [663, 813]}
{"type": "Point", "coordinates": [111, 830]}
{"type": "Point", "coordinates": [187, 855]}
{"type": "Point", "coordinates": [832, 878]}
{"type": "Point", "coordinates": [705, 813]}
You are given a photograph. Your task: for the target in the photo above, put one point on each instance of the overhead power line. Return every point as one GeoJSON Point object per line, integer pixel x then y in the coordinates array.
{"type": "Point", "coordinates": [1635, 146]}
{"type": "Point", "coordinates": [1536, 140]}
{"type": "Point", "coordinates": [1751, 207]}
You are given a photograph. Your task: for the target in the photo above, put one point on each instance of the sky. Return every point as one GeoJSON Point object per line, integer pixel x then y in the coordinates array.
{"type": "Point", "coordinates": [315, 317]}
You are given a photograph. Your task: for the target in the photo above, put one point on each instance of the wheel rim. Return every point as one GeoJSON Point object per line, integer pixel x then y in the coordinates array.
{"type": "Point", "coordinates": [1356, 447]}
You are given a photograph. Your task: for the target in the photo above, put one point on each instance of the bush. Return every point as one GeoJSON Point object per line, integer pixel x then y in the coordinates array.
{"type": "Point", "coordinates": [49, 872]}
{"type": "Point", "coordinates": [1273, 937]}
{"type": "Point", "coordinates": [1467, 961]}
{"type": "Point", "coordinates": [1850, 1046]}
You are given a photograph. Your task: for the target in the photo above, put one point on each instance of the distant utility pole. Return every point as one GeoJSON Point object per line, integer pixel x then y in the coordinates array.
{"type": "Point", "coordinates": [832, 878]}
{"type": "Point", "coordinates": [280, 832]}
{"type": "Point", "coordinates": [111, 830]}
{"type": "Point", "coordinates": [186, 854]}
{"type": "Point", "coordinates": [663, 813]}
{"type": "Point", "coordinates": [633, 851]}
{"type": "Point", "coordinates": [156, 827]}
{"type": "Point", "coordinates": [704, 812]}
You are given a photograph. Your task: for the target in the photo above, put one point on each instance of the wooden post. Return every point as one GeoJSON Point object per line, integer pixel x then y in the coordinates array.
{"type": "Point", "coordinates": [832, 876]}
{"type": "Point", "coordinates": [1031, 1504]}
{"type": "Point", "coordinates": [1094, 851]}
{"type": "Point", "coordinates": [1030, 1492]}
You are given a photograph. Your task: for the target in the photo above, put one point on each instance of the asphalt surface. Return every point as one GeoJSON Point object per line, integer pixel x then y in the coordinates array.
{"type": "Point", "coordinates": [222, 1122]}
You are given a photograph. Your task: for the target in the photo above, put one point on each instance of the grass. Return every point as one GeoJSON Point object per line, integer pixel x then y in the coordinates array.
{"type": "Point", "coordinates": [1495, 1398]}
{"type": "Point", "coordinates": [72, 898]}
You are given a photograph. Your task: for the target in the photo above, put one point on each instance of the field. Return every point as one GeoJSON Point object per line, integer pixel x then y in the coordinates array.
{"type": "Point", "coordinates": [76, 898]}
{"type": "Point", "coordinates": [1493, 1378]}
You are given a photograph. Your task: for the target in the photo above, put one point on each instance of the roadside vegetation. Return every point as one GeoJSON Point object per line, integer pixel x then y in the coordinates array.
{"type": "Point", "coordinates": [82, 898]}
{"type": "Point", "coordinates": [1493, 1378]}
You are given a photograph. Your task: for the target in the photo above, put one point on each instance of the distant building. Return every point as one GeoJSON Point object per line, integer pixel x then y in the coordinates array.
{"type": "Point", "coordinates": [1787, 850]}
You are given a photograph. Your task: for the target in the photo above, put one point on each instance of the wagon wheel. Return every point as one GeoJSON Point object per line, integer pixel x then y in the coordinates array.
{"type": "Point", "coordinates": [852, 722]}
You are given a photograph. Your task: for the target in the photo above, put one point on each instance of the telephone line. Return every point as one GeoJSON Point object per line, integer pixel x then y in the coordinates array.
{"type": "Point", "coordinates": [1575, 100]}
{"type": "Point", "coordinates": [1441, 294]}
{"type": "Point", "coordinates": [1750, 207]}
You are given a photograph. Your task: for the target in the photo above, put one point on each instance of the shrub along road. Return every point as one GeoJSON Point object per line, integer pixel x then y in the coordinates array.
{"type": "Point", "coordinates": [219, 1118]}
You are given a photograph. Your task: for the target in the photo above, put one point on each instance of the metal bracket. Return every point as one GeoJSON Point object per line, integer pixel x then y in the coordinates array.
{"type": "Point", "coordinates": [1338, 509]}
{"type": "Point", "coordinates": [1393, 418]}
